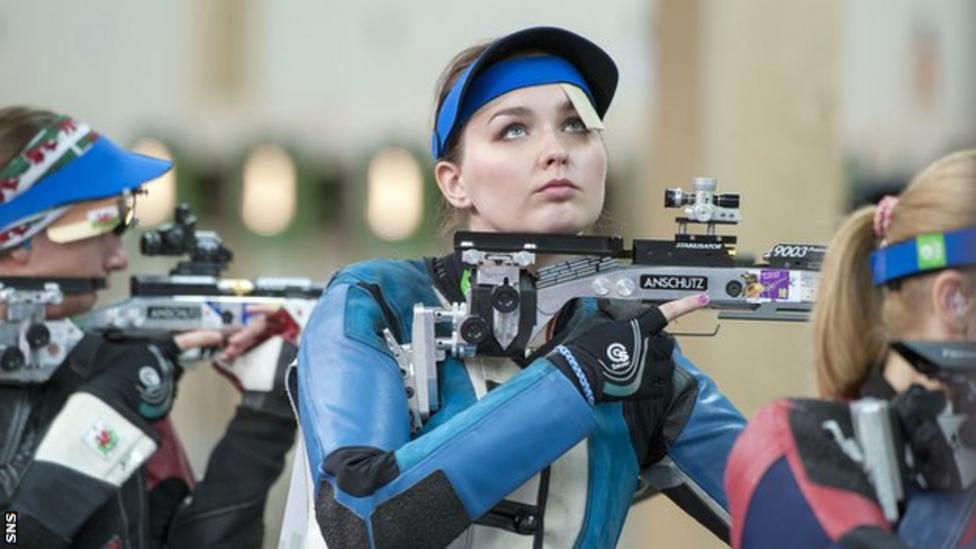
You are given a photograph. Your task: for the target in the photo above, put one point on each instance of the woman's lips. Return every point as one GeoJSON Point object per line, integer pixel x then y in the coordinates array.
{"type": "Point", "coordinates": [558, 188]}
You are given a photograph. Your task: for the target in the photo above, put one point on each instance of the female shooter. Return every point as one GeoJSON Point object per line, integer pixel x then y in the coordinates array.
{"type": "Point", "coordinates": [88, 457]}
{"type": "Point", "coordinates": [903, 270]}
{"type": "Point", "coordinates": [542, 450]}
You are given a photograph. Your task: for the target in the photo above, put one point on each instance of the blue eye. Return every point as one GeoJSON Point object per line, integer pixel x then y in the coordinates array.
{"type": "Point", "coordinates": [574, 125]}
{"type": "Point", "coordinates": [513, 131]}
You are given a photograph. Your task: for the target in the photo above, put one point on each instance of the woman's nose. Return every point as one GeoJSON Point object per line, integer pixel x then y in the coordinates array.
{"type": "Point", "coordinates": [554, 152]}
{"type": "Point", "coordinates": [117, 260]}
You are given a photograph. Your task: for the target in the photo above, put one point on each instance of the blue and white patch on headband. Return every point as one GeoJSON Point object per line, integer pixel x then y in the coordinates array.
{"type": "Point", "coordinates": [465, 98]}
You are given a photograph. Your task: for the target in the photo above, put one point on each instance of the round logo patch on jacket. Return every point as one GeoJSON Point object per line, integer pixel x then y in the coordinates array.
{"type": "Point", "coordinates": [155, 387]}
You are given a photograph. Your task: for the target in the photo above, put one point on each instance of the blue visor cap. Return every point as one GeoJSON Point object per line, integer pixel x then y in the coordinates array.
{"type": "Point", "coordinates": [924, 253]}
{"type": "Point", "coordinates": [104, 170]}
{"type": "Point", "coordinates": [582, 63]}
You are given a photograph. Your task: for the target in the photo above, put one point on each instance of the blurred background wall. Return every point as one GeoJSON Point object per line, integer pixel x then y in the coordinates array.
{"type": "Point", "coordinates": [299, 131]}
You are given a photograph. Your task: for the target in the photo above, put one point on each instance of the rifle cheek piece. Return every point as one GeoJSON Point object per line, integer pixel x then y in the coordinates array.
{"type": "Point", "coordinates": [33, 347]}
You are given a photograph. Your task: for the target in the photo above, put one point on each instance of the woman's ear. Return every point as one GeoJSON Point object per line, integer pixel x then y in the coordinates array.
{"type": "Point", "coordinates": [452, 186]}
{"type": "Point", "coordinates": [18, 256]}
{"type": "Point", "coordinates": [954, 296]}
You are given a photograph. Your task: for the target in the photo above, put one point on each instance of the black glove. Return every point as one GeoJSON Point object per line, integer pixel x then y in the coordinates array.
{"type": "Point", "coordinates": [137, 377]}
{"type": "Point", "coordinates": [619, 359]}
{"type": "Point", "coordinates": [917, 410]}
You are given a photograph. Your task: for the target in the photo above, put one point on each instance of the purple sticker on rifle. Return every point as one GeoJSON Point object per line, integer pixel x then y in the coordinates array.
{"type": "Point", "coordinates": [775, 284]}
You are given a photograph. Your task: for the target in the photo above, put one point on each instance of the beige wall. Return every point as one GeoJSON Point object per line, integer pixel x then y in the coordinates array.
{"type": "Point", "coordinates": [748, 94]}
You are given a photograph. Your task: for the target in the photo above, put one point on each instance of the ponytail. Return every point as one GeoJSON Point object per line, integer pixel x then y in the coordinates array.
{"type": "Point", "coordinates": [847, 327]}
{"type": "Point", "coordinates": [853, 321]}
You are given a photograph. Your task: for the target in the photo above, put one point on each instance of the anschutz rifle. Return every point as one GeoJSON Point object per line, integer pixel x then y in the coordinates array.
{"type": "Point", "coordinates": [878, 444]}
{"type": "Point", "coordinates": [508, 305]}
{"type": "Point", "coordinates": [193, 296]}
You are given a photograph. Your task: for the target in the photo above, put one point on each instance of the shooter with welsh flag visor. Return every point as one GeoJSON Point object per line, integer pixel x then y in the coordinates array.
{"type": "Point", "coordinates": [90, 458]}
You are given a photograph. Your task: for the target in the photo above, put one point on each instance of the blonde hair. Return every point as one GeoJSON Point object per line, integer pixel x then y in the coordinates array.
{"type": "Point", "coordinates": [853, 320]}
{"type": "Point", "coordinates": [18, 125]}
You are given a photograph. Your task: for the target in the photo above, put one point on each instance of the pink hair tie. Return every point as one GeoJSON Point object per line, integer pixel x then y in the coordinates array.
{"type": "Point", "coordinates": [882, 215]}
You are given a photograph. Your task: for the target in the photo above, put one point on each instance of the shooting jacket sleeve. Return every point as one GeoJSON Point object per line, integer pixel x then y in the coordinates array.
{"type": "Point", "coordinates": [94, 444]}
{"type": "Point", "coordinates": [789, 485]}
{"type": "Point", "coordinates": [378, 487]}
{"type": "Point", "coordinates": [682, 450]}
{"type": "Point", "coordinates": [226, 508]}
{"type": "Point", "coordinates": [699, 429]}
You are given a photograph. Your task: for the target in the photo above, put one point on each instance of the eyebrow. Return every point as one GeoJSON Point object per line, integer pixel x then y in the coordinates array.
{"type": "Point", "coordinates": [566, 106]}
{"type": "Point", "coordinates": [511, 111]}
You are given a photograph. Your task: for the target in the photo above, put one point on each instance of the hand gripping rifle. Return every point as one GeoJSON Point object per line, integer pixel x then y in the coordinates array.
{"type": "Point", "coordinates": [510, 301]}
{"type": "Point", "coordinates": [193, 296]}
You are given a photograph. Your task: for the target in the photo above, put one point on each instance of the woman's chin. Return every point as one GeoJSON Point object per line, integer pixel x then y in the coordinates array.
{"type": "Point", "coordinates": [561, 222]}
{"type": "Point", "coordinates": [559, 228]}
{"type": "Point", "coordinates": [550, 219]}
{"type": "Point", "coordinates": [71, 305]}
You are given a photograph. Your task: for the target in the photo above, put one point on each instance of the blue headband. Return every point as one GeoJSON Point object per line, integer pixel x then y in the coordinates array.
{"type": "Point", "coordinates": [924, 253]}
{"type": "Point", "coordinates": [511, 74]}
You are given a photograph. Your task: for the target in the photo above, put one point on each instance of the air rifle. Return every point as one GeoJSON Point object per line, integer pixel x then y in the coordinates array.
{"type": "Point", "coordinates": [193, 296]}
{"type": "Point", "coordinates": [511, 298]}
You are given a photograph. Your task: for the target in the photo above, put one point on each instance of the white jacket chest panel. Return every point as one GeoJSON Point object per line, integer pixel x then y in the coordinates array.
{"type": "Point", "coordinates": [566, 501]}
